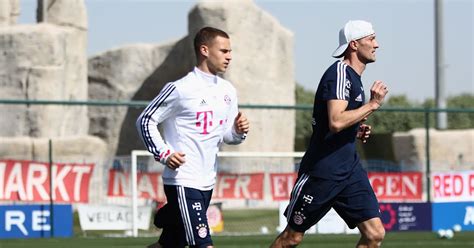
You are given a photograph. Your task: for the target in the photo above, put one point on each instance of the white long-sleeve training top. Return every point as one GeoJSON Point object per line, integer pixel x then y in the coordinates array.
{"type": "Point", "coordinates": [196, 114]}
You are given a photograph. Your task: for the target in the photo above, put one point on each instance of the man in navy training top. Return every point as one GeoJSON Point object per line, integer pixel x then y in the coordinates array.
{"type": "Point", "coordinates": [197, 113]}
{"type": "Point", "coordinates": [330, 174]}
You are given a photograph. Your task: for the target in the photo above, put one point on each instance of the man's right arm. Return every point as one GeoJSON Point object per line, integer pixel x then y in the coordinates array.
{"type": "Point", "coordinates": [158, 110]}
{"type": "Point", "coordinates": [340, 118]}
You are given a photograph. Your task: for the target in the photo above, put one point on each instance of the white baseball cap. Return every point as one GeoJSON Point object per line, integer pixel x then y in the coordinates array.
{"type": "Point", "coordinates": [353, 30]}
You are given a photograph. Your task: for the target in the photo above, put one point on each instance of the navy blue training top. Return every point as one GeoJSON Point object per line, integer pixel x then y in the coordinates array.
{"type": "Point", "coordinates": [333, 155]}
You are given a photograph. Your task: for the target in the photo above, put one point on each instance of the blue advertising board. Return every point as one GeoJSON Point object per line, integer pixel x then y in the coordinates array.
{"type": "Point", "coordinates": [34, 221]}
{"type": "Point", "coordinates": [447, 215]}
{"type": "Point", "coordinates": [406, 216]}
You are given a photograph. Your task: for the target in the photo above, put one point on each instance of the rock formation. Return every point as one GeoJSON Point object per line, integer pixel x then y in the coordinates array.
{"type": "Point", "coordinates": [45, 61]}
{"type": "Point", "coordinates": [9, 12]}
{"type": "Point", "coordinates": [449, 149]}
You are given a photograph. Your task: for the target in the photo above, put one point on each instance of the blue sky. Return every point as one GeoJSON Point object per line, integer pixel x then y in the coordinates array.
{"type": "Point", "coordinates": [404, 28]}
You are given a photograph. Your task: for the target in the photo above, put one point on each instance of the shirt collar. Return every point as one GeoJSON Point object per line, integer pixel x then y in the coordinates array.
{"type": "Point", "coordinates": [209, 78]}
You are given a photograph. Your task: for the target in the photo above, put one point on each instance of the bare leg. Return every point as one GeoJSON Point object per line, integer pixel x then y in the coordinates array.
{"type": "Point", "coordinates": [372, 233]}
{"type": "Point", "coordinates": [287, 239]}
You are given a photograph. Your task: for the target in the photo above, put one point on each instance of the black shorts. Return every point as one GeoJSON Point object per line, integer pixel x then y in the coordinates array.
{"type": "Point", "coordinates": [183, 218]}
{"type": "Point", "coordinates": [353, 199]}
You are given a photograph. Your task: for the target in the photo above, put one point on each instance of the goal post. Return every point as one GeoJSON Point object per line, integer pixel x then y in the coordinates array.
{"type": "Point", "coordinates": [134, 188]}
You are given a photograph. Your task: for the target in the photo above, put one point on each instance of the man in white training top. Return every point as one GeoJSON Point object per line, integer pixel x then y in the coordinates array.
{"type": "Point", "coordinates": [197, 114]}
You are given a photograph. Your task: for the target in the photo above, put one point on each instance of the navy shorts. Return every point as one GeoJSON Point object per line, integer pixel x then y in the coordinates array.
{"type": "Point", "coordinates": [183, 218]}
{"type": "Point", "coordinates": [353, 199]}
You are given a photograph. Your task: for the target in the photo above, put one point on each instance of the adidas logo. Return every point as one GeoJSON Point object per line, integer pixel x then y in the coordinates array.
{"type": "Point", "coordinates": [359, 98]}
{"type": "Point", "coordinates": [203, 102]}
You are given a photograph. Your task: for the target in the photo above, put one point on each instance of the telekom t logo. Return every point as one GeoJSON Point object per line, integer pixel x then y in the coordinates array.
{"type": "Point", "coordinates": [205, 123]}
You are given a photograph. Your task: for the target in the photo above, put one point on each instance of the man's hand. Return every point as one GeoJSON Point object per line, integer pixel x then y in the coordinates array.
{"type": "Point", "coordinates": [364, 132]}
{"type": "Point", "coordinates": [175, 160]}
{"type": "Point", "coordinates": [241, 124]}
{"type": "Point", "coordinates": [377, 93]}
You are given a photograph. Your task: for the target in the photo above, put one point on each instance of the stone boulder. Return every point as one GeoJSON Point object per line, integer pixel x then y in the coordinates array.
{"type": "Point", "coordinates": [35, 66]}
{"type": "Point", "coordinates": [449, 149]}
{"type": "Point", "coordinates": [79, 149]}
{"type": "Point", "coordinates": [44, 61]}
{"type": "Point", "coordinates": [9, 12]}
{"type": "Point", "coordinates": [68, 13]}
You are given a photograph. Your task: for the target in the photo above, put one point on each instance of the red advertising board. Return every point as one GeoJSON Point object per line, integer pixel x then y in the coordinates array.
{"type": "Point", "coordinates": [453, 186]}
{"type": "Point", "coordinates": [228, 186]}
{"type": "Point", "coordinates": [406, 186]}
{"type": "Point", "coordinates": [397, 186]}
{"type": "Point", "coordinates": [239, 186]}
{"type": "Point", "coordinates": [281, 185]}
{"type": "Point", "coordinates": [149, 185]}
{"type": "Point", "coordinates": [30, 181]}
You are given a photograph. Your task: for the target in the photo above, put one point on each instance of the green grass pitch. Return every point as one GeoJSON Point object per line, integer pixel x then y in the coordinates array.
{"type": "Point", "coordinates": [399, 239]}
{"type": "Point", "coordinates": [240, 222]}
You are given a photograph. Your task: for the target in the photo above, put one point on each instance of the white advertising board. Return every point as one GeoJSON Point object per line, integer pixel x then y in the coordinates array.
{"type": "Point", "coordinates": [110, 217]}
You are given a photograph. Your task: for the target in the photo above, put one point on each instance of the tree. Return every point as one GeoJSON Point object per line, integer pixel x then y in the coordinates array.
{"type": "Point", "coordinates": [303, 127]}
{"type": "Point", "coordinates": [461, 120]}
{"type": "Point", "coordinates": [389, 122]}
